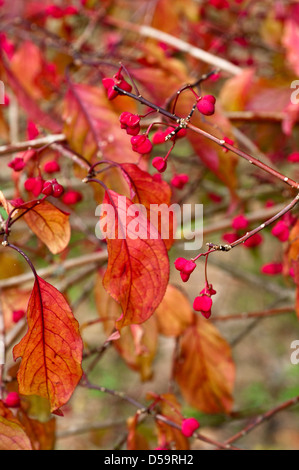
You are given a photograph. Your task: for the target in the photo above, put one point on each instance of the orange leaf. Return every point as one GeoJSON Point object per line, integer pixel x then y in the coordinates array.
{"type": "Point", "coordinates": [204, 369]}
{"type": "Point", "coordinates": [293, 249]}
{"type": "Point", "coordinates": [167, 434]}
{"type": "Point", "coordinates": [138, 266]}
{"type": "Point", "coordinates": [135, 440]}
{"type": "Point", "coordinates": [5, 204]}
{"type": "Point", "coordinates": [174, 313]}
{"type": "Point", "coordinates": [50, 225]}
{"type": "Point", "coordinates": [41, 434]}
{"type": "Point", "coordinates": [12, 435]}
{"type": "Point", "coordinates": [51, 350]}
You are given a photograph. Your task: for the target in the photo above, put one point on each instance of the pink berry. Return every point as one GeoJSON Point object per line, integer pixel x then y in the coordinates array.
{"type": "Point", "coordinates": [293, 157]}
{"type": "Point", "coordinates": [206, 107]}
{"type": "Point", "coordinates": [160, 164]}
{"type": "Point", "coordinates": [184, 265]}
{"type": "Point", "coordinates": [184, 276]}
{"type": "Point", "coordinates": [51, 167]}
{"type": "Point", "coordinates": [17, 315]}
{"type": "Point", "coordinates": [254, 241]}
{"type": "Point", "coordinates": [281, 231]}
{"type": "Point", "coordinates": [210, 98]}
{"type": "Point", "coordinates": [12, 400]}
{"type": "Point", "coordinates": [58, 190]}
{"type": "Point", "coordinates": [189, 426]}
{"type": "Point", "coordinates": [34, 185]}
{"type": "Point", "coordinates": [141, 144]}
{"type": "Point", "coordinates": [272, 268]}
{"type": "Point", "coordinates": [179, 181]}
{"type": "Point", "coordinates": [17, 164]}
{"type": "Point", "coordinates": [117, 80]}
{"type": "Point", "coordinates": [71, 197]}
{"type": "Point", "coordinates": [32, 130]}
{"type": "Point", "coordinates": [159, 138]}
{"type": "Point", "coordinates": [240, 222]}
{"type": "Point", "coordinates": [47, 189]}
{"type": "Point", "coordinates": [180, 264]}
{"type": "Point", "coordinates": [202, 303]}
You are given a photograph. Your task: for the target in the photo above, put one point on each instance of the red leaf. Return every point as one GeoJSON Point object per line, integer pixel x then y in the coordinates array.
{"type": "Point", "coordinates": [28, 103]}
{"type": "Point", "coordinates": [51, 350]}
{"type": "Point", "coordinates": [138, 269]}
{"type": "Point", "coordinates": [92, 127]}
{"type": "Point", "coordinates": [147, 191]}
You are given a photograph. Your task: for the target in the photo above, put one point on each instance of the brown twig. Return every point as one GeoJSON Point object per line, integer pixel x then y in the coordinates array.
{"type": "Point", "coordinates": [262, 418]}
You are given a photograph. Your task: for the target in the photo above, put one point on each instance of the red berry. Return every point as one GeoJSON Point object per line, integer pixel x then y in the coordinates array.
{"type": "Point", "coordinates": [17, 315]}
{"type": "Point", "coordinates": [17, 164]}
{"type": "Point", "coordinates": [58, 190]}
{"type": "Point", "coordinates": [185, 266]}
{"type": "Point", "coordinates": [34, 185]}
{"type": "Point", "coordinates": [272, 268]}
{"type": "Point", "coordinates": [206, 107]}
{"type": "Point", "coordinates": [71, 197]}
{"type": "Point", "coordinates": [160, 164]}
{"type": "Point", "coordinates": [108, 84]}
{"type": "Point", "coordinates": [253, 241]}
{"type": "Point", "coordinates": [32, 130]}
{"type": "Point", "coordinates": [12, 400]}
{"type": "Point", "coordinates": [179, 181]}
{"type": "Point", "coordinates": [47, 189]}
{"type": "Point", "coordinates": [130, 122]}
{"type": "Point", "coordinates": [159, 137]}
{"type": "Point", "coordinates": [293, 157]}
{"type": "Point", "coordinates": [281, 231]}
{"type": "Point", "coordinates": [240, 222]}
{"type": "Point", "coordinates": [141, 144]}
{"type": "Point", "coordinates": [189, 426]}
{"type": "Point", "coordinates": [117, 80]}
{"type": "Point", "coordinates": [51, 167]}
{"type": "Point", "coordinates": [185, 277]}
{"type": "Point", "coordinates": [210, 98]}
{"type": "Point", "coordinates": [202, 303]}
{"type": "Point", "coordinates": [16, 202]}
{"type": "Point", "coordinates": [52, 188]}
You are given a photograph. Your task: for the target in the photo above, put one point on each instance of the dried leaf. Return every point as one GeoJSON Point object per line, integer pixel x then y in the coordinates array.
{"type": "Point", "coordinates": [204, 368]}
{"type": "Point", "coordinates": [174, 313]}
{"type": "Point", "coordinates": [50, 224]}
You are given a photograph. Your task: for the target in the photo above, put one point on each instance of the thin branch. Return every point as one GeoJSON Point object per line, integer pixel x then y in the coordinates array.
{"type": "Point", "coordinates": [31, 144]}
{"type": "Point", "coordinates": [176, 43]}
{"type": "Point", "coordinates": [260, 314]}
{"type": "Point", "coordinates": [56, 269]}
{"type": "Point", "coordinates": [262, 418]}
{"type": "Point", "coordinates": [141, 411]}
